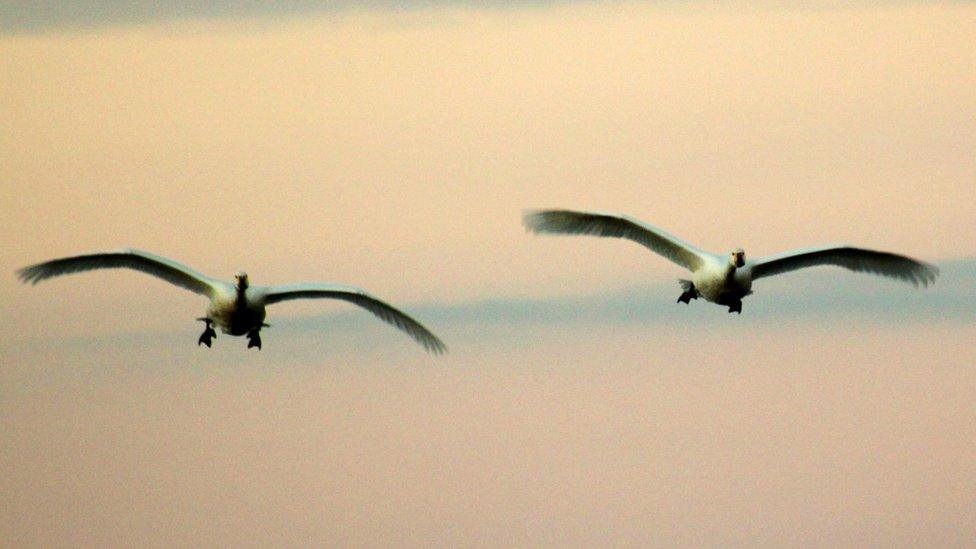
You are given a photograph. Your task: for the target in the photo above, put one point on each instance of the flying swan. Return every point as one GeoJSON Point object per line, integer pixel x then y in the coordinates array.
{"type": "Point", "coordinates": [726, 280]}
{"type": "Point", "coordinates": [237, 309]}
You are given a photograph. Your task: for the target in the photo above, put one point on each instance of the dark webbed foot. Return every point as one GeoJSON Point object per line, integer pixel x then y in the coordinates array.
{"type": "Point", "coordinates": [689, 292]}
{"type": "Point", "coordinates": [254, 339]}
{"type": "Point", "coordinates": [208, 334]}
{"type": "Point", "coordinates": [735, 307]}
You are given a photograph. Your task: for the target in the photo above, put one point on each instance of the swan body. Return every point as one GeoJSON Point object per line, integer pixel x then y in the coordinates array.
{"type": "Point", "coordinates": [237, 309]}
{"type": "Point", "coordinates": [725, 280]}
{"type": "Point", "coordinates": [719, 282]}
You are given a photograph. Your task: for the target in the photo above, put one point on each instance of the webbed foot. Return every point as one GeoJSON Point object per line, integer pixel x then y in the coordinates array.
{"type": "Point", "coordinates": [208, 334]}
{"type": "Point", "coordinates": [689, 293]}
{"type": "Point", "coordinates": [254, 339]}
{"type": "Point", "coordinates": [735, 307]}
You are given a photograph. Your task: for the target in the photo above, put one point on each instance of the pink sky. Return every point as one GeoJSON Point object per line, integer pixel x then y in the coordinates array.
{"type": "Point", "coordinates": [798, 435]}
{"type": "Point", "coordinates": [396, 151]}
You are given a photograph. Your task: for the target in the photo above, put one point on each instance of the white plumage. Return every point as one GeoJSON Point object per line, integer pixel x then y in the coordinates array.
{"type": "Point", "coordinates": [237, 309]}
{"type": "Point", "coordinates": [726, 279]}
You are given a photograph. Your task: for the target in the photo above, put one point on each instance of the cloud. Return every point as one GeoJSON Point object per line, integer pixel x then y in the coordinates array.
{"type": "Point", "coordinates": [814, 293]}
{"type": "Point", "coordinates": [819, 295]}
{"type": "Point", "coordinates": [46, 15]}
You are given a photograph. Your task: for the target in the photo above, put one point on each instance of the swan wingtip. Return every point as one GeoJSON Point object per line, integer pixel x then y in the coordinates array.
{"type": "Point", "coordinates": [532, 220]}
{"type": "Point", "coordinates": [28, 275]}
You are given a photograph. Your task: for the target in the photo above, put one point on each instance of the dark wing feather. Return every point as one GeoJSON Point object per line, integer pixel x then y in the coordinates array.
{"type": "Point", "coordinates": [383, 311]}
{"type": "Point", "coordinates": [160, 267]}
{"type": "Point", "coordinates": [856, 259]}
{"type": "Point", "coordinates": [616, 226]}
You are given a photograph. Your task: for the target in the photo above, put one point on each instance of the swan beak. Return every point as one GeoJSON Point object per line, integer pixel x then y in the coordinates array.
{"type": "Point", "coordinates": [739, 262]}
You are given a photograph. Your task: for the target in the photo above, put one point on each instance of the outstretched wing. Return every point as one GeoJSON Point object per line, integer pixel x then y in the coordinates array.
{"type": "Point", "coordinates": [856, 259]}
{"type": "Point", "coordinates": [616, 226]}
{"type": "Point", "coordinates": [385, 312]}
{"type": "Point", "coordinates": [138, 260]}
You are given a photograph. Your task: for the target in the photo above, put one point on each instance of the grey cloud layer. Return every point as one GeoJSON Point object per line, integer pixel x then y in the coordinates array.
{"type": "Point", "coordinates": [820, 295]}
{"type": "Point", "coordinates": [29, 16]}
{"type": "Point", "coordinates": [823, 292]}
{"type": "Point", "coordinates": [46, 15]}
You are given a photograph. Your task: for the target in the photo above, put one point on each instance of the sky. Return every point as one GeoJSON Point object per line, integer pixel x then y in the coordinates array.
{"type": "Point", "coordinates": [395, 147]}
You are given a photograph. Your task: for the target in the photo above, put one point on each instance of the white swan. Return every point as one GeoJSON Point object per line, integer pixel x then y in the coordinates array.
{"type": "Point", "coordinates": [722, 280]}
{"type": "Point", "coordinates": [237, 309]}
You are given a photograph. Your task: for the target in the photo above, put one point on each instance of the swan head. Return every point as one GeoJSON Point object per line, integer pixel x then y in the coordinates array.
{"type": "Point", "coordinates": [242, 282]}
{"type": "Point", "coordinates": [737, 257]}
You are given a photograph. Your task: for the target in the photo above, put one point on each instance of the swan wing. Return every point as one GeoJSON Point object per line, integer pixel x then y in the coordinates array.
{"type": "Point", "coordinates": [616, 226]}
{"type": "Point", "coordinates": [161, 267]}
{"type": "Point", "coordinates": [856, 259]}
{"type": "Point", "coordinates": [383, 311]}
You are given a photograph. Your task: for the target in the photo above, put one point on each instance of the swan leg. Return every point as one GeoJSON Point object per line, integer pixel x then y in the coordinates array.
{"type": "Point", "coordinates": [254, 339]}
{"type": "Point", "coordinates": [735, 307]}
{"type": "Point", "coordinates": [208, 333]}
{"type": "Point", "coordinates": [689, 292]}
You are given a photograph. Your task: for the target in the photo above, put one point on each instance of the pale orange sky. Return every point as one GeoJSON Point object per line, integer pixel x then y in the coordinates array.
{"type": "Point", "coordinates": [396, 150]}
{"type": "Point", "coordinates": [403, 148]}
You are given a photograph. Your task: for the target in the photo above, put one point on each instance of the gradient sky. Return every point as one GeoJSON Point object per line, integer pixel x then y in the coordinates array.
{"type": "Point", "coordinates": [396, 149]}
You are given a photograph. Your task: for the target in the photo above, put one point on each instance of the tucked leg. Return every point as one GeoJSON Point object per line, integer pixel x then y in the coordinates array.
{"type": "Point", "coordinates": [208, 333]}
